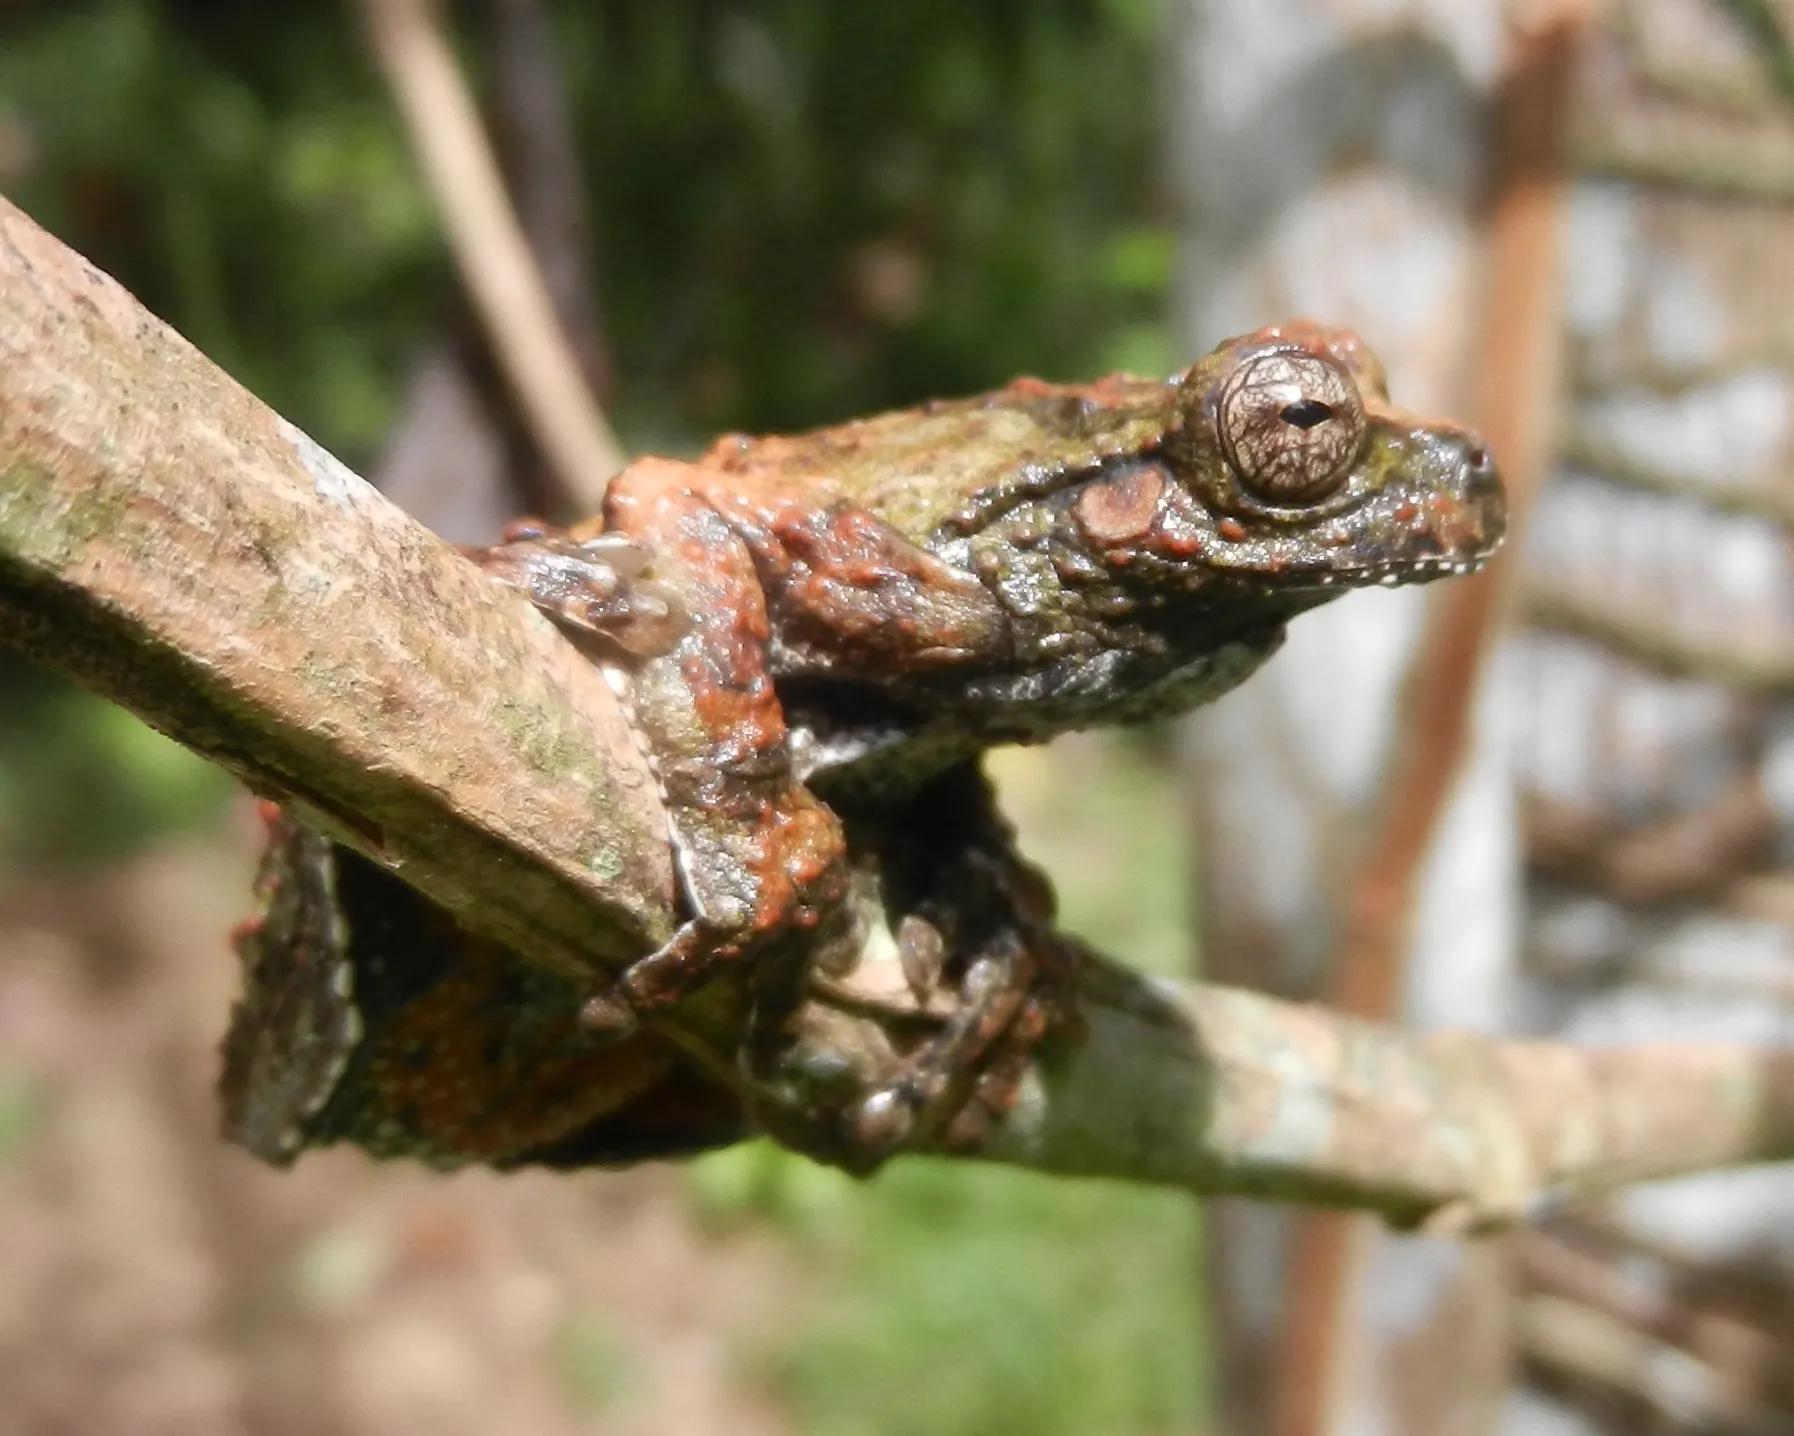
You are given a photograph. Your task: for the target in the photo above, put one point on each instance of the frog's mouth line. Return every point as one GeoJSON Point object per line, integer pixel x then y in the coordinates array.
{"type": "Point", "coordinates": [1396, 575]}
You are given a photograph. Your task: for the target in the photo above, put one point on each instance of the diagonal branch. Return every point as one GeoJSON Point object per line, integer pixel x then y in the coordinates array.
{"type": "Point", "coordinates": [170, 542]}
{"type": "Point", "coordinates": [174, 545]}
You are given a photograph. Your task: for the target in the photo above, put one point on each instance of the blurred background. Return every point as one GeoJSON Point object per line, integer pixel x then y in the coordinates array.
{"type": "Point", "coordinates": [1567, 222]}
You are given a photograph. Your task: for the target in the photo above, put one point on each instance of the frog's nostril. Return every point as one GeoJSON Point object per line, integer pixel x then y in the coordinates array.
{"type": "Point", "coordinates": [1479, 468]}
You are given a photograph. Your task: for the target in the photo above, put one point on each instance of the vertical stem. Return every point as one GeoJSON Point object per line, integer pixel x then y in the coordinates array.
{"type": "Point", "coordinates": [490, 249]}
{"type": "Point", "coordinates": [1517, 367]}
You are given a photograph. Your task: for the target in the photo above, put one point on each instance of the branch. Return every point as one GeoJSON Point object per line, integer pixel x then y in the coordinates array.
{"type": "Point", "coordinates": [1757, 498]}
{"type": "Point", "coordinates": [174, 545]}
{"type": "Point", "coordinates": [171, 543]}
{"type": "Point", "coordinates": [533, 132]}
{"type": "Point", "coordinates": [1685, 857]}
{"type": "Point", "coordinates": [1224, 1090]}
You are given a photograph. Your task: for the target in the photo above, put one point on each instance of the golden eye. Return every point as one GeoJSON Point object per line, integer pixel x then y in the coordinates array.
{"type": "Point", "coordinates": [1292, 426]}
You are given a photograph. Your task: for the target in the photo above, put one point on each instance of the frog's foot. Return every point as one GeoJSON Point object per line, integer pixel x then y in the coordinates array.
{"type": "Point", "coordinates": [601, 586]}
{"type": "Point", "coordinates": [952, 1091]}
{"type": "Point", "coordinates": [802, 922]}
{"type": "Point", "coordinates": [656, 983]}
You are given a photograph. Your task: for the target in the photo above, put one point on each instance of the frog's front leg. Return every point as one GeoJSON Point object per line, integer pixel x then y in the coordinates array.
{"type": "Point", "coordinates": [760, 858]}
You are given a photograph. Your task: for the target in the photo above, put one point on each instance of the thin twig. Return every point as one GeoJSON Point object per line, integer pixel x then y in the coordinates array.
{"type": "Point", "coordinates": [1715, 168]}
{"type": "Point", "coordinates": [533, 134]}
{"type": "Point", "coordinates": [1686, 857]}
{"type": "Point", "coordinates": [489, 246]}
{"type": "Point", "coordinates": [1517, 372]}
{"type": "Point", "coordinates": [1595, 377]}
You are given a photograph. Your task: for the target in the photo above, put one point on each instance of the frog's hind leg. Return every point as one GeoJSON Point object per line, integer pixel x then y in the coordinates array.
{"type": "Point", "coordinates": [760, 858]}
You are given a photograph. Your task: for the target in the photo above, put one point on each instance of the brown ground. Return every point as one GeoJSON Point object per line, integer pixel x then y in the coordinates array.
{"type": "Point", "coordinates": [154, 1280]}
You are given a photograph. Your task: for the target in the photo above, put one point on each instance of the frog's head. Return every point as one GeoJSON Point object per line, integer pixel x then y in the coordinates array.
{"type": "Point", "coordinates": [1287, 473]}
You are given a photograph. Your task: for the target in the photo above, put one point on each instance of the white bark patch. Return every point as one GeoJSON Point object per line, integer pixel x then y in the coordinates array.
{"type": "Point", "coordinates": [330, 476]}
{"type": "Point", "coordinates": [1721, 433]}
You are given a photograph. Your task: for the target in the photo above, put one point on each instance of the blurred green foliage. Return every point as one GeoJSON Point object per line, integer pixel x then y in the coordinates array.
{"type": "Point", "coordinates": [82, 781]}
{"type": "Point", "coordinates": [974, 1301]}
{"type": "Point", "coordinates": [597, 1364]}
{"type": "Point", "coordinates": [849, 207]}
{"type": "Point", "coordinates": [802, 209]}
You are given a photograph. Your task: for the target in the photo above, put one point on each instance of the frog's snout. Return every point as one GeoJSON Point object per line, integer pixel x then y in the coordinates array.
{"type": "Point", "coordinates": [1446, 515]}
{"type": "Point", "coordinates": [1482, 478]}
{"type": "Point", "coordinates": [1480, 492]}
{"type": "Point", "coordinates": [1479, 466]}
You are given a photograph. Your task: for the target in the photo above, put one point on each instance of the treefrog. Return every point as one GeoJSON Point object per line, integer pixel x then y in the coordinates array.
{"type": "Point", "coordinates": [815, 632]}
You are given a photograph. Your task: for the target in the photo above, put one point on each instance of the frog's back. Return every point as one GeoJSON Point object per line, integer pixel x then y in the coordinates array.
{"type": "Point", "coordinates": [947, 466]}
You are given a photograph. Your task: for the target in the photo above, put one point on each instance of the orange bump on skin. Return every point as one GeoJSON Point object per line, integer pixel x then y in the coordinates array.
{"type": "Point", "coordinates": [1123, 508]}
{"type": "Point", "coordinates": [1450, 522]}
{"type": "Point", "coordinates": [1232, 530]}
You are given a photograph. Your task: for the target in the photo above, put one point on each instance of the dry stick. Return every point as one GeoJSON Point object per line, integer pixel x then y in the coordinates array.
{"type": "Point", "coordinates": [1686, 857]}
{"type": "Point", "coordinates": [1684, 1344]}
{"type": "Point", "coordinates": [1627, 1319]}
{"type": "Point", "coordinates": [1589, 1348]}
{"type": "Point", "coordinates": [1224, 1090]}
{"type": "Point", "coordinates": [1517, 371]}
{"type": "Point", "coordinates": [490, 249]}
{"type": "Point", "coordinates": [532, 132]}
{"type": "Point", "coordinates": [174, 545]}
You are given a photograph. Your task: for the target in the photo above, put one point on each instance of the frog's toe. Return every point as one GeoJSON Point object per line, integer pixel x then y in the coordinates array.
{"type": "Point", "coordinates": [607, 1017]}
{"type": "Point", "coordinates": [600, 586]}
{"type": "Point", "coordinates": [883, 1121]}
{"type": "Point", "coordinates": [528, 527]}
{"type": "Point", "coordinates": [952, 1093]}
{"type": "Point", "coordinates": [690, 958]}
{"type": "Point", "coordinates": [921, 953]}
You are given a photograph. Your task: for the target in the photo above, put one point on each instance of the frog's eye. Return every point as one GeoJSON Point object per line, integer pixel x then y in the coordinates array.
{"type": "Point", "coordinates": [1292, 426]}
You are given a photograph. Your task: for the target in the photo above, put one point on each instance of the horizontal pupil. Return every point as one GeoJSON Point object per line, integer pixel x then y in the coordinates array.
{"type": "Point", "coordinates": [1306, 413]}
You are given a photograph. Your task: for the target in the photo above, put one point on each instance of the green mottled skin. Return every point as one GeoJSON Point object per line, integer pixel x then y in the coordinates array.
{"type": "Point", "coordinates": [951, 465]}
{"type": "Point", "coordinates": [989, 485]}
